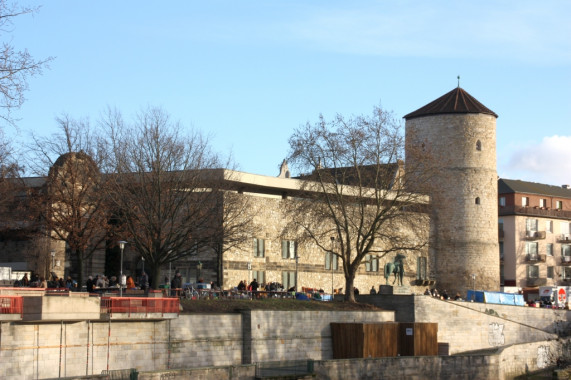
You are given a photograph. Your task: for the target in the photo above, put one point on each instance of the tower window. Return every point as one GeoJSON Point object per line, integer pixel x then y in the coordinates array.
{"type": "Point", "coordinates": [477, 200]}
{"type": "Point", "coordinates": [478, 145]}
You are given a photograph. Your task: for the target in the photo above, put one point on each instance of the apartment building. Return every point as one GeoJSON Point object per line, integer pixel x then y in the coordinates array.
{"type": "Point", "coordinates": [534, 234]}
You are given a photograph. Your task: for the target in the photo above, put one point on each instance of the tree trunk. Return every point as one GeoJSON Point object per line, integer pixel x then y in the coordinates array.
{"type": "Point", "coordinates": [81, 269]}
{"type": "Point", "coordinates": [349, 288]}
{"type": "Point", "coordinates": [156, 271]}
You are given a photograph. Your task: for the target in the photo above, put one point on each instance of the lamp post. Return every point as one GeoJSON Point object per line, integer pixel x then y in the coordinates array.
{"type": "Point", "coordinates": [143, 259]}
{"type": "Point", "coordinates": [331, 262]}
{"type": "Point", "coordinates": [473, 286]}
{"type": "Point", "coordinates": [53, 252]}
{"type": "Point", "coordinates": [296, 258]}
{"type": "Point", "coordinates": [198, 271]}
{"type": "Point", "coordinates": [121, 282]}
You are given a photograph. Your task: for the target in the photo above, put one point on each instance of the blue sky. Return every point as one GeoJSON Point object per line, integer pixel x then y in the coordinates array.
{"type": "Point", "coordinates": [249, 72]}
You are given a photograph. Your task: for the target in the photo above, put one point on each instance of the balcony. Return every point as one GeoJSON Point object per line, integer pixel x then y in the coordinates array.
{"type": "Point", "coordinates": [534, 235]}
{"type": "Point", "coordinates": [533, 282]}
{"type": "Point", "coordinates": [566, 260]}
{"type": "Point", "coordinates": [534, 258]}
{"type": "Point", "coordinates": [564, 238]}
{"type": "Point", "coordinates": [532, 211]}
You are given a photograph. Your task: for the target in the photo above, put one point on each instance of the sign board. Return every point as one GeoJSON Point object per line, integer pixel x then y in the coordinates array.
{"type": "Point", "coordinates": [561, 296]}
{"type": "Point", "coordinates": [409, 331]}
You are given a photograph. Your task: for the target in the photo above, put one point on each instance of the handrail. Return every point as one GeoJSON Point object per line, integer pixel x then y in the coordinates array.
{"type": "Point", "coordinates": [139, 305]}
{"type": "Point", "coordinates": [12, 305]}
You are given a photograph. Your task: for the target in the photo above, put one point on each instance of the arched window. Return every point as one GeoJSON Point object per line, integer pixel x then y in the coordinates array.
{"type": "Point", "coordinates": [477, 200]}
{"type": "Point", "coordinates": [478, 145]}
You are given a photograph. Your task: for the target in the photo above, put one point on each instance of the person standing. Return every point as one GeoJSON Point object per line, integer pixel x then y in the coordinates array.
{"type": "Point", "coordinates": [145, 283]}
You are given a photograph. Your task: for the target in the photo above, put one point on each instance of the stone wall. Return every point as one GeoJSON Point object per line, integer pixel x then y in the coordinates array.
{"type": "Point", "coordinates": [295, 335]}
{"type": "Point", "coordinates": [467, 326]}
{"type": "Point", "coordinates": [464, 197]}
{"type": "Point", "coordinates": [51, 350]}
{"type": "Point", "coordinates": [269, 216]}
{"type": "Point", "coordinates": [501, 364]}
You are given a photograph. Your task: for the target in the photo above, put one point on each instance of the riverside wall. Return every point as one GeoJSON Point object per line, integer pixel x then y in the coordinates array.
{"type": "Point", "coordinates": [468, 326]}
{"type": "Point", "coordinates": [52, 349]}
{"type": "Point", "coordinates": [227, 346]}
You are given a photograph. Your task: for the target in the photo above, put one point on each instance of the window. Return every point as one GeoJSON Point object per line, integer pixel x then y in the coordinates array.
{"type": "Point", "coordinates": [565, 250]}
{"type": "Point", "coordinates": [288, 279]}
{"type": "Point", "coordinates": [564, 226]}
{"type": "Point", "coordinates": [260, 276]}
{"type": "Point", "coordinates": [566, 273]}
{"type": "Point", "coordinates": [501, 274]}
{"type": "Point", "coordinates": [259, 247]}
{"type": "Point", "coordinates": [525, 201]}
{"type": "Point", "coordinates": [501, 250]}
{"type": "Point", "coordinates": [502, 201]}
{"type": "Point", "coordinates": [500, 224]}
{"type": "Point", "coordinates": [543, 202]}
{"type": "Point", "coordinates": [331, 258]}
{"type": "Point", "coordinates": [532, 271]}
{"type": "Point", "coordinates": [477, 200]}
{"type": "Point", "coordinates": [549, 226]}
{"type": "Point", "coordinates": [421, 269]}
{"type": "Point", "coordinates": [558, 205]}
{"type": "Point", "coordinates": [478, 145]}
{"type": "Point", "coordinates": [288, 249]}
{"type": "Point", "coordinates": [550, 272]}
{"type": "Point", "coordinates": [549, 249]}
{"type": "Point", "coordinates": [531, 250]}
{"type": "Point", "coordinates": [531, 225]}
{"type": "Point", "coordinates": [371, 263]}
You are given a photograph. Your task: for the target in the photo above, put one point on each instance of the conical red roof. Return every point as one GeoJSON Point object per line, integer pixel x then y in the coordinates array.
{"type": "Point", "coordinates": [456, 101]}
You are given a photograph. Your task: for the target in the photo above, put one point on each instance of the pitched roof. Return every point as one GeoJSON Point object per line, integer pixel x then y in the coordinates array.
{"type": "Point", "coordinates": [507, 186]}
{"type": "Point", "coordinates": [455, 101]}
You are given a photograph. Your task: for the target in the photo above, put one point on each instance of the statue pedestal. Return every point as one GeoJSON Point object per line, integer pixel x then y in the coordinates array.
{"type": "Point", "coordinates": [404, 289]}
{"type": "Point", "coordinates": [385, 289]}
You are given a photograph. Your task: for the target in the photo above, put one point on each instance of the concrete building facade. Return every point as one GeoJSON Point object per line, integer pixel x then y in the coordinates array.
{"type": "Point", "coordinates": [534, 234]}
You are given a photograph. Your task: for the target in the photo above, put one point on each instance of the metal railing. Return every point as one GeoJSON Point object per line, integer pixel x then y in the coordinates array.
{"type": "Point", "coordinates": [139, 305]}
{"type": "Point", "coordinates": [12, 305]}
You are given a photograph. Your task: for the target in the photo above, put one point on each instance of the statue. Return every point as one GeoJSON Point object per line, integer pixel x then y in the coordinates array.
{"type": "Point", "coordinates": [396, 268]}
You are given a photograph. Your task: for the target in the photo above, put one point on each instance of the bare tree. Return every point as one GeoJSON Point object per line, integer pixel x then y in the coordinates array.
{"type": "Point", "coordinates": [16, 66]}
{"type": "Point", "coordinates": [356, 191]}
{"type": "Point", "coordinates": [232, 227]}
{"type": "Point", "coordinates": [72, 206]}
{"type": "Point", "coordinates": [165, 189]}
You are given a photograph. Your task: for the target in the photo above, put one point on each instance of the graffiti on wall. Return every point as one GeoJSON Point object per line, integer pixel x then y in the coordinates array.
{"type": "Point", "coordinates": [542, 356]}
{"type": "Point", "coordinates": [496, 334]}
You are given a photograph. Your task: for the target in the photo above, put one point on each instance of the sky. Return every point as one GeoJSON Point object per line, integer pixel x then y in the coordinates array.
{"type": "Point", "coordinates": [248, 73]}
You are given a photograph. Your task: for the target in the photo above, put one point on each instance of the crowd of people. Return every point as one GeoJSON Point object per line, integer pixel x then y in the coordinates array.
{"type": "Point", "coordinates": [442, 295]}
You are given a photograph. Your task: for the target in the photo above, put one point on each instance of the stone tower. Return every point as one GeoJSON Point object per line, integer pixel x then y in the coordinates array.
{"type": "Point", "coordinates": [458, 133]}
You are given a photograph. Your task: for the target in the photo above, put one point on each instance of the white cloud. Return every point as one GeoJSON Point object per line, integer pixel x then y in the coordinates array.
{"type": "Point", "coordinates": [548, 161]}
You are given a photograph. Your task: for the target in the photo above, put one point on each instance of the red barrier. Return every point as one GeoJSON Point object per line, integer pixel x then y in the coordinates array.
{"type": "Point", "coordinates": [139, 305]}
{"type": "Point", "coordinates": [12, 305]}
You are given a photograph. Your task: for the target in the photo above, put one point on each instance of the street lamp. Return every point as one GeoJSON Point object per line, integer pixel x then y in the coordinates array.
{"type": "Point", "coordinates": [143, 259]}
{"type": "Point", "coordinates": [53, 252]}
{"type": "Point", "coordinates": [121, 280]}
{"type": "Point", "coordinates": [198, 271]}
{"type": "Point", "coordinates": [473, 286]}
{"type": "Point", "coordinates": [331, 262]}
